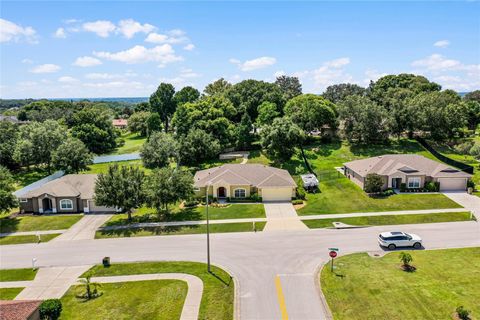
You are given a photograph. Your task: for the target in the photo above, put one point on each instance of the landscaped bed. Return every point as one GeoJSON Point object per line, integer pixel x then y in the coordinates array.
{"type": "Point", "coordinates": [36, 223]}
{"type": "Point", "coordinates": [153, 299]}
{"type": "Point", "coordinates": [9, 293]}
{"type": "Point", "coordinates": [363, 287]}
{"type": "Point", "coordinates": [192, 229]}
{"type": "Point", "coordinates": [27, 239]}
{"type": "Point", "coordinates": [392, 219]}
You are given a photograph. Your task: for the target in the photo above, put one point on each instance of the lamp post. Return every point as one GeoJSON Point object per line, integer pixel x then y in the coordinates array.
{"type": "Point", "coordinates": [208, 232]}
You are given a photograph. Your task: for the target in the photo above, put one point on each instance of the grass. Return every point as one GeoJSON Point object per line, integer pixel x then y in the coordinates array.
{"type": "Point", "coordinates": [17, 274]}
{"type": "Point", "coordinates": [180, 230]}
{"type": "Point", "coordinates": [103, 167]}
{"type": "Point", "coordinates": [9, 293]}
{"type": "Point", "coordinates": [133, 143]}
{"type": "Point", "coordinates": [26, 176]}
{"type": "Point", "coordinates": [34, 223]}
{"type": "Point", "coordinates": [340, 195]}
{"type": "Point", "coordinates": [218, 287]}
{"type": "Point", "coordinates": [156, 299]}
{"type": "Point", "coordinates": [27, 239]}
{"type": "Point", "coordinates": [363, 287]}
{"type": "Point", "coordinates": [391, 220]}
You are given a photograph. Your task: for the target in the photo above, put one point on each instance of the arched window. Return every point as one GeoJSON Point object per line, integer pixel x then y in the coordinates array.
{"type": "Point", "coordinates": [240, 193]}
{"type": "Point", "coordinates": [66, 204]}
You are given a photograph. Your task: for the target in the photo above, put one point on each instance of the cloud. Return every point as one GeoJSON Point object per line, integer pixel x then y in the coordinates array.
{"type": "Point", "coordinates": [87, 61]}
{"type": "Point", "coordinates": [372, 75]}
{"type": "Point", "coordinates": [27, 61]}
{"type": "Point", "coordinates": [438, 63]}
{"type": "Point", "coordinates": [279, 73]}
{"type": "Point", "coordinates": [130, 27]}
{"type": "Point", "coordinates": [105, 76]}
{"type": "Point", "coordinates": [330, 72]}
{"type": "Point", "coordinates": [254, 64]}
{"type": "Point", "coordinates": [442, 43]}
{"type": "Point", "coordinates": [163, 54]}
{"type": "Point", "coordinates": [175, 36]}
{"type": "Point", "coordinates": [10, 31]}
{"type": "Point", "coordinates": [67, 79]}
{"type": "Point", "coordinates": [45, 68]}
{"type": "Point", "coordinates": [60, 33]}
{"type": "Point", "coordinates": [189, 47]}
{"type": "Point", "coordinates": [102, 28]}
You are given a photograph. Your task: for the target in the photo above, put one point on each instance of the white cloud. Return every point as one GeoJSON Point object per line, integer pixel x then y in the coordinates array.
{"type": "Point", "coordinates": [162, 54]}
{"type": "Point", "coordinates": [86, 61]}
{"type": "Point", "coordinates": [437, 62]}
{"type": "Point", "coordinates": [171, 37]}
{"type": "Point", "coordinates": [254, 64]}
{"type": "Point", "coordinates": [130, 27]}
{"type": "Point", "coordinates": [105, 76]}
{"type": "Point", "coordinates": [27, 61]}
{"type": "Point", "coordinates": [10, 31]}
{"type": "Point", "coordinates": [189, 47]}
{"type": "Point", "coordinates": [45, 68]}
{"type": "Point", "coordinates": [279, 73]}
{"type": "Point", "coordinates": [372, 75]}
{"type": "Point", "coordinates": [60, 33]}
{"type": "Point", "coordinates": [102, 28]}
{"type": "Point", "coordinates": [337, 63]}
{"type": "Point", "coordinates": [442, 43]}
{"type": "Point", "coordinates": [67, 79]}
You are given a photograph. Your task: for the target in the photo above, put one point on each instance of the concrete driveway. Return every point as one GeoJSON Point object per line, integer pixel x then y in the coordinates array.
{"type": "Point", "coordinates": [466, 200]}
{"type": "Point", "coordinates": [282, 216]}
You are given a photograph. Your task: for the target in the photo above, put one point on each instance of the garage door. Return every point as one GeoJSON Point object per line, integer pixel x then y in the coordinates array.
{"type": "Point", "coordinates": [95, 208]}
{"type": "Point", "coordinates": [451, 184]}
{"type": "Point", "coordinates": [276, 194]}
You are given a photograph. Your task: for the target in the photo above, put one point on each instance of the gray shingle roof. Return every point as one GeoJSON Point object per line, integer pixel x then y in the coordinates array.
{"type": "Point", "coordinates": [71, 185]}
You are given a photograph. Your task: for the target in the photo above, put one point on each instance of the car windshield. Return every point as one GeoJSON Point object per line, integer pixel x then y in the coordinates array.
{"type": "Point", "coordinates": [409, 237]}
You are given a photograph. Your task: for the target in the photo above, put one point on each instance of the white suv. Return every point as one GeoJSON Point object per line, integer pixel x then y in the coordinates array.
{"type": "Point", "coordinates": [395, 239]}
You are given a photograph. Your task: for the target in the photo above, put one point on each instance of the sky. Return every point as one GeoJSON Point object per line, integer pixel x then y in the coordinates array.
{"type": "Point", "coordinates": [67, 49]}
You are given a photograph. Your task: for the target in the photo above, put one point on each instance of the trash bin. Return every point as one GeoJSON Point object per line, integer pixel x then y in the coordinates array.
{"type": "Point", "coordinates": [106, 262]}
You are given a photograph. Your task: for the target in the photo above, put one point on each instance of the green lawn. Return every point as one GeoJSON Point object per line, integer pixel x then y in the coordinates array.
{"type": "Point", "coordinates": [34, 223]}
{"type": "Point", "coordinates": [156, 299]}
{"type": "Point", "coordinates": [103, 167]}
{"type": "Point", "coordinates": [391, 220]}
{"type": "Point", "coordinates": [218, 287]}
{"type": "Point", "coordinates": [340, 195]}
{"type": "Point", "coordinates": [363, 287]}
{"type": "Point", "coordinates": [26, 239]}
{"type": "Point", "coordinates": [26, 176]}
{"type": "Point", "coordinates": [9, 293]}
{"type": "Point", "coordinates": [180, 230]}
{"type": "Point", "coordinates": [133, 143]}
{"type": "Point", "coordinates": [17, 274]}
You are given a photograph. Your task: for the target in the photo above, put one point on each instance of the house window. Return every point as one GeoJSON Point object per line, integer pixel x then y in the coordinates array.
{"type": "Point", "coordinates": [66, 204]}
{"type": "Point", "coordinates": [414, 182]}
{"type": "Point", "coordinates": [240, 193]}
{"type": "Point", "coordinates": [23, 200]}
{"type": "Point", "coordinates": [196, 189]}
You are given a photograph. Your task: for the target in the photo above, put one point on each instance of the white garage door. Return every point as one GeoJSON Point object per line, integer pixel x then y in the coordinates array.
{"type": "Point", "coordinates": [451, 184]}
{"type": "Point", "coordinates": [276, 194]}
{"type": "Point", "coordinates": [94, 208]}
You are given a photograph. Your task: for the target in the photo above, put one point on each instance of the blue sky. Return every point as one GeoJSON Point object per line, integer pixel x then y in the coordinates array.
{"type": "Point", "coordinates": [104, 49]}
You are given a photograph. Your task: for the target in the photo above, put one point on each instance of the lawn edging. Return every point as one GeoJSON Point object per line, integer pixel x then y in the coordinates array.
{"type": "Point", "coordinates": [318, 286]}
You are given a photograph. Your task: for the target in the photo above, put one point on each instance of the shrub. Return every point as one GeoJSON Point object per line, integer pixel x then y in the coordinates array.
{"type": "Point", "coordinates": [373, 183]}
{"type": "Point", "coordinates": [471, 184]}
{"type": "Point", "coordinates": [388, 193]}
{"type": "Point", "coordinates": [255, 197]}
{"type": "Point", "coordinates": [432, 186]}
{"type": "Point", "coordinates": [191, 203]}
{"type": "Point", "coordinates": [297, 201]}
{"type": "Point", "coordinates": [120, 142]}
{"type": "Point", "coordinates": [463, 313]}
{"type": "Point", "coordinates": [403, 187]}
{"type": "Point", "coordinates": [464, 148]}
{"type": "Point", "coordinates": [300, 193]}
{"type": "Point", "coordinates": [50, 309]}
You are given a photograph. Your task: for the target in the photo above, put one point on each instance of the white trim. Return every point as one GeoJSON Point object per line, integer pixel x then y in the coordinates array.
{"type": "Point", "coordinates": [23, 200]}
{"type": "Point", "coordinates": [244, 190]}
{"type": "Point", "coordinates": [68, 201]}
{"type": "Point", "coordinates": [414, 181]}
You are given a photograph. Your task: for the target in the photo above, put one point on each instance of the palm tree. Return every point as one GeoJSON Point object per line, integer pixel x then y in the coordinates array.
{"type": "Point", "coordinates": [91, 288]}
{"type": "Point", "coordinates": [406, 258]}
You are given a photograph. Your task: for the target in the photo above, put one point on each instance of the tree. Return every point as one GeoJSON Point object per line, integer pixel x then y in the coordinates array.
{"type": "Point", "coordinates": [406, 258]}
{"type": "Point", "coordinates": [473, 113]}
{"type": "Point", "coordinates": [267, 111]}
{"type": "Point", "coordinates": [23, 153]}
{"type": "Point", "coordinates": [158, 150]}
{"type": "Point", "coordinates": [167, 186]}
{"type": "Point", "coordinates": [281, 138]}
{"type": "Point", "coordinates": [290, 86]}
{"type": "Point", "coordinates": [50, 309]}
{"type": "Point", "coordinates": [186, 94]}
{"type": "Point", "coordinates": [7, 186]}
{"type": "Point", "coordinates": [72, 156]}
{"type": "Point", "coordinates": [218, 87]}
{"type": "Point", "coordinates": [90, 289]}
{"type": "Point", "coordinates": [154, 123]}
{"type": "Point", "coordinates": [137, 123]}
{"type": "Point", "coordinates": [162, 102]}
{"type": "Point", "coordinates": [364, 120]}
{"type": "Point", "coordinates": [243, 133]}
{"type": "Point", "coordinates": [120, 187]}
{"type": "Point", "coordinates": [463, 313]}
{"type": "Point", "coordinates": [311, 112]}
{"type": "Point", "coordinates": [475, 150]}
{"type": "Point", "coordinates": [8, 140]}
{"type": "Point", "coordinates": [472, 96]}
{"type": "Point", "coordinates": [247, 95]}
{"type": "Point", "coordinates": [373, 183]}
{"type": "Point", "coordinates": [198, 146]}
{"type": "Point", "coordinates": [338, 92]}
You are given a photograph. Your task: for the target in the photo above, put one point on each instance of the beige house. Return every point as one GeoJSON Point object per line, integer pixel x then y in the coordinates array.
{"type": "Point", "coordinates": [243, 180]}
{"type": "Point", "coordinates": [68, 194]}
{"type": "Point", "coordinates": [411, 169]}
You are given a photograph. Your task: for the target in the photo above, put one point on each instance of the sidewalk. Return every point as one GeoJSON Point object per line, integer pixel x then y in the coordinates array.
{"type": "Point", "coordinates": [32, 233]}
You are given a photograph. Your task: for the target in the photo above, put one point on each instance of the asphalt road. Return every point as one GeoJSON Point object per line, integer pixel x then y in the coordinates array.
{"type": "Point", "coordinates": [254, 259]}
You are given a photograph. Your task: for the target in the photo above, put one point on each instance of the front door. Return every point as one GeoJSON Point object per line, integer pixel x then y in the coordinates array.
{"type": "Point", "coordinates": [396, 183]}
{"type": "Point", "coordinates": [222, 192]}
{"type": "Point", "coordinates": [47, 204]}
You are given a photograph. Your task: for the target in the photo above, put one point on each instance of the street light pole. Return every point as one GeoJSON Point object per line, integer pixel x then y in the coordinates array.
{"type": "Point", "coordinates": [208, 233]}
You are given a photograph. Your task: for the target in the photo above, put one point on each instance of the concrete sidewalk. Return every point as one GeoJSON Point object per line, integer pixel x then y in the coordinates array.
{"type": "Point", "coordinates": [85, 228]}
{"type": "Point", "coordinates": [32, 233]}
{"type": "Point", "coordinates": [191, 306]}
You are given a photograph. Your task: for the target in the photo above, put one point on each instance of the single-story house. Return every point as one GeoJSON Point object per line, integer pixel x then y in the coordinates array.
{"type": "Point", "coordinates": [71, 193]}
{"type": "Point", "coordinates": [243, 180]}
{"type": "Point", "coordinates": [20, 309]}
{"type": "Point", "coordinates": [412, 169]}
{"type": "Point", "coordinates": [120, 123]}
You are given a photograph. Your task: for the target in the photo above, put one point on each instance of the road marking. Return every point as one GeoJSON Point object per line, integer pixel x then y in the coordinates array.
{"type": "Point", "coordinates": [281, 298]}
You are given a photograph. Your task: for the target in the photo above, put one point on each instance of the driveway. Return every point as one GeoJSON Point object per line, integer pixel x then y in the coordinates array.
{"type": "Point", "coordinates": [466, 200]}
{"type": "Point", "coordinates": [282, 216]}
{"type": "Point", "coordinates": [85, 228]}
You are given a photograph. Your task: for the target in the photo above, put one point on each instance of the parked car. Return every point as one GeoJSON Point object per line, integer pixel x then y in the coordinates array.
{"type": "Point", "coordinates": [394, 239]}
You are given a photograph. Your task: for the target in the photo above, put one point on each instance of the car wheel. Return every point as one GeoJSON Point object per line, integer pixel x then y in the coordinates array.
{"type": "Point", "coordinates": [417, 245]}
{"type": "Point", "coordinates": [392, 246]}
